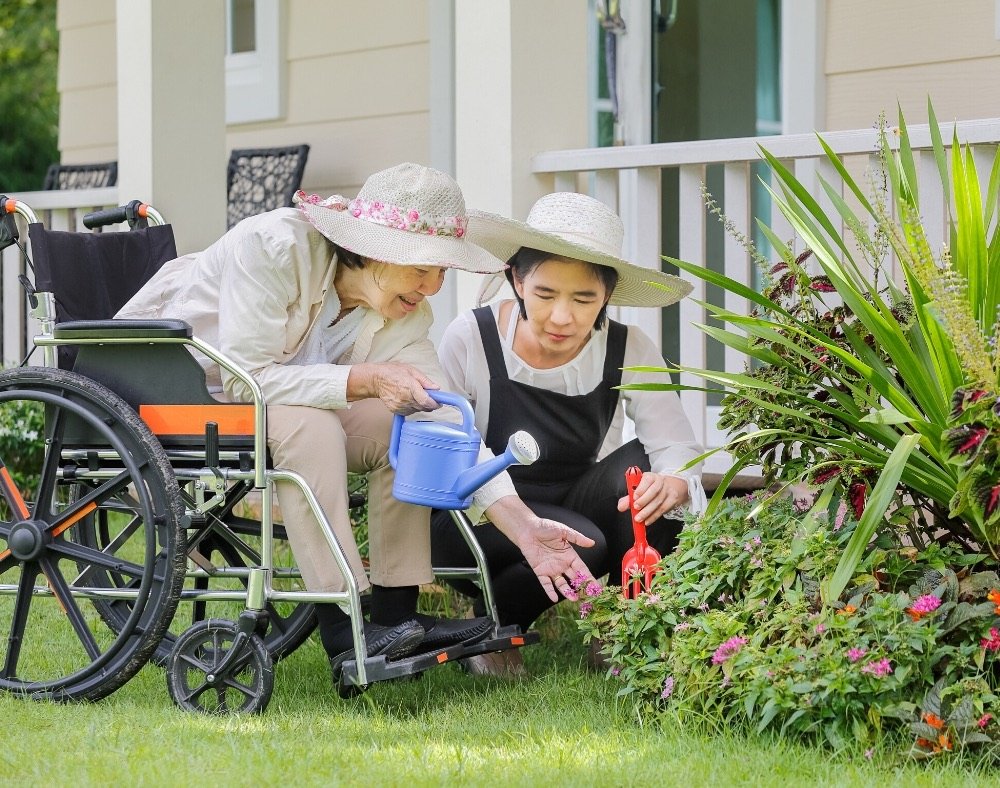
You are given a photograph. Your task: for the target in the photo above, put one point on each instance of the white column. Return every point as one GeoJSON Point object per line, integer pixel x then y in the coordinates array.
{"type": "Point", "coordinates": [803, 76]}
{"type": "Point", "coordinates": [520, 89]}
{"type": "Point", "coordinates": [171, 114]}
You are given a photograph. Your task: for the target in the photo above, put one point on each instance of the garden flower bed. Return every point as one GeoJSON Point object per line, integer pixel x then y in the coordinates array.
{"type": "Point", "coordinates": [873, 604]}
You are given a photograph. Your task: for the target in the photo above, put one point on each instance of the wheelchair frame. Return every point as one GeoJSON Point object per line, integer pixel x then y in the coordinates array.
{"type": "Point", "coordinates": [208, 473]}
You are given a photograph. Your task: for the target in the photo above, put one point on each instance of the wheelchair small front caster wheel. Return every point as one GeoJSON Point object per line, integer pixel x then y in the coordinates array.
{"type": "Point", "coordinates": [200, 678]}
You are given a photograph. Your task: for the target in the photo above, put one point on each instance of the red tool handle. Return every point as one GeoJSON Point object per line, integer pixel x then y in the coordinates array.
{"type": "Point", "coordinates": [632, 478]}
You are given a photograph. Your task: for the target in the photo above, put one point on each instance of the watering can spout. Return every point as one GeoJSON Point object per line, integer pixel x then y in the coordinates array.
{"type": "Point", "coordinates": [521, 449]}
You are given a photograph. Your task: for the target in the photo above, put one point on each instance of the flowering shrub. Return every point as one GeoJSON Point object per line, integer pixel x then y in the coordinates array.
{"type": "Point", "coordinates": [733, 629]}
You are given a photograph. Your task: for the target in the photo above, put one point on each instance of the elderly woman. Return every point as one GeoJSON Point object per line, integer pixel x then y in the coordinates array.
{"type": "Point", "coordinates": [325, 306]}
{"type": "Point", "coordinates": [548, 361]}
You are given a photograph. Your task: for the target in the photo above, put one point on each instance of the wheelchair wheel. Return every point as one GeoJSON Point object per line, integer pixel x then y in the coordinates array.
{"type": "Point", "coordinates": [72, 449]}
{"type": "Point", "coordinates": [194, 678]}
{"type": "Point", "coordinates": [234, 541]}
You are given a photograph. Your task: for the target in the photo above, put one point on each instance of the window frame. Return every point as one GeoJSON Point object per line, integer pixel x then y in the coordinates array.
{"type": "Point", "coordinates": [255, 81]}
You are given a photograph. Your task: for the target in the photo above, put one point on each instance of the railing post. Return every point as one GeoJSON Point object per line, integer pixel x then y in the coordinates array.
{"type": "Point", "coordinates": [640, 211]}
{"type": "Point", "coordinates": [691, 223]}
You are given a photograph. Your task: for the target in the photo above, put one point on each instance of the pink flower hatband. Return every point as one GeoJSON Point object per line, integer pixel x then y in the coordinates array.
{"type": "Point", "coordinates": [389, 215]}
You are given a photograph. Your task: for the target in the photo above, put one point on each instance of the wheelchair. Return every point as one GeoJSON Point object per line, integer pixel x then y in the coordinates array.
{"type": "Point", "coordinates": [139, 506]}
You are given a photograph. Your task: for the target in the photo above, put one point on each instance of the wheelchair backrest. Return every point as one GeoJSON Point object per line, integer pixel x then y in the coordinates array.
{"type": "Point", "coordinates": [93, 275]}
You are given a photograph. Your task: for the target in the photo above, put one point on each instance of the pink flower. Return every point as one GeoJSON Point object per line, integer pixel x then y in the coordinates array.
{"type": "Point", "coordinates": [593, 588]}
{"type": "Point", "coordinates": [668, 688]}
{"type": "Point", "coordinates": [878, 668]}
{"type": "Point", "coordinates": [682, 626]}
{"type": "Point", "coordinates": [579, 580]}
{"type": "Point", "coordinates": [925, 604]}
{"type": "Point", "coordinates": [585, 609]}
{"type": "Point", "coordinates": [983, 721]}
{"type": "Point", "coordinates": [820, 629]}
{"type": "Point", "coordinates": [854, 654]}
{"type": "Point", "coordinates": [615, 671]}
{"type": "Point", "coordinates": [993, 644]}
{"type": "Point", "coordinates": [413, 216]}
{"type": "Point", "coordinates": [728, 649]}
{"type": "Point", "coordinates": [869, 753]}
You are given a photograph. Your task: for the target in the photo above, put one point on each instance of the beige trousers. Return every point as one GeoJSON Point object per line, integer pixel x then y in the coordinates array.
{"type": "Point", "coordinates": [322, 446]}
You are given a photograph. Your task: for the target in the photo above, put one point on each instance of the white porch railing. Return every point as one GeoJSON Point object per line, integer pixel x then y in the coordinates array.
{"type": "Point", "coordinates": [57, 210]}
{"type": "Point", "coordinates": [629, 180]}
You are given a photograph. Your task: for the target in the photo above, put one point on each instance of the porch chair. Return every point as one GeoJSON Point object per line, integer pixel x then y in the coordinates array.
{"type": "Point", "coordinates": [81, 176]}
{"type": "Point", "coordinates": [261, 179]}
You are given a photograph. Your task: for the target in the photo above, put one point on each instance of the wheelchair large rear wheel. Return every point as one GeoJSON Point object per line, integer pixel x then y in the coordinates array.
{"type": "Point", "coordinates": [73, 449]}
{"type": "Point", "coordinates": [220, 546]}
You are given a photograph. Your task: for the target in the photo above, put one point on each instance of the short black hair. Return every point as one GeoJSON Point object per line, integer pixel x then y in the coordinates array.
{"type": "Point", "coordinates": [526, 260]}
{"type": "Point", "coordinates": [347, 257]}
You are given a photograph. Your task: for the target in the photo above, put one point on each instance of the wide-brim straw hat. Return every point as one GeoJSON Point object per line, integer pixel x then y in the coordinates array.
{"type": "Point", "coordinates": [407, 215]}
{"type": "Point", "coordinates": [566, 224]}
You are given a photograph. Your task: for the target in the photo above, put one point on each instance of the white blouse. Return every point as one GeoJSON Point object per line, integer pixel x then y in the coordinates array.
{"type": "Point", "coordinates": [660, 424]}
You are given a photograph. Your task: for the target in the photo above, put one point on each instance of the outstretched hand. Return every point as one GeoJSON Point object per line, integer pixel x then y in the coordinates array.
{"type": "Point", "coordinates": [547, 545]}
{"type": "Point", "coordinates": [548, 549]}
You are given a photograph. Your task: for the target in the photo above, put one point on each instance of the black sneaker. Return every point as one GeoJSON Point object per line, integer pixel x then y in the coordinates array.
{"type": "Point", "coordinates": [391, 642]}
{"type": "Point", "coordinates": [442, 633]}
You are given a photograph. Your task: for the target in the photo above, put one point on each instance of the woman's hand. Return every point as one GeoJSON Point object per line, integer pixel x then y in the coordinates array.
{"type": "Point", "coordinates": [547, 546]}
{"type": "Point", "coordinates": [400, 386]}
{"type": "Point", "coordinates": [655, 495]}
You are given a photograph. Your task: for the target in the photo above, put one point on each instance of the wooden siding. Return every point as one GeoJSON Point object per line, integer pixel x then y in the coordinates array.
{"type": "Point", "coordinates": [881, 53]}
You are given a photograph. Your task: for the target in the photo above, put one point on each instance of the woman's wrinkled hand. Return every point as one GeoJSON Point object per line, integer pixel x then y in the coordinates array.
{"type": "Point", "coordinates": [655, 495]}
{"type": "Point", "coordinates": [400, 386]}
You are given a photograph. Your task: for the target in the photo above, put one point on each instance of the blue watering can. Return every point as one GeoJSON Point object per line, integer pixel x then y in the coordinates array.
{"type": "Point", "coordinates": [435, 462]}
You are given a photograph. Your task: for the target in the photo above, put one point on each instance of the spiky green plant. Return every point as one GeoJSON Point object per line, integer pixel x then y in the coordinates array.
{"type": "Point", "coordinates": [857, 389]}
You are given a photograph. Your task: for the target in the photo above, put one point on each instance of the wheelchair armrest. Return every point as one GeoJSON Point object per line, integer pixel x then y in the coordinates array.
{"type": "Point", "coordinates": [122, 329]}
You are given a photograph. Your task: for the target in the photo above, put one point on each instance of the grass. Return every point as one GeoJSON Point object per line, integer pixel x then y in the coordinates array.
{"type": "Point", "coordinates": [562, 726]}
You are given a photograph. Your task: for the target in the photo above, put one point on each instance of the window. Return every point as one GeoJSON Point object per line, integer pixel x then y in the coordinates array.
{"type": "Point", "coordinates": [255, 61]}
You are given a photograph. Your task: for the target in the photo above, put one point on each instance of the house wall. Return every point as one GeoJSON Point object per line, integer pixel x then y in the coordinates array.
{"type": "Point", "coordinates": [881, 53]}
{"type": "Point", "coordinates": [357, 89]}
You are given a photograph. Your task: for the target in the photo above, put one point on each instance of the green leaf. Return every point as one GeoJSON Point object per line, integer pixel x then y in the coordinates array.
{"type": "Point", "coordinates": [888, 416]}
{"type": "Point", "coordinates": [875, 509]}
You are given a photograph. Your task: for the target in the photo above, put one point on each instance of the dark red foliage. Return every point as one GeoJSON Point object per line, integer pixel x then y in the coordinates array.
{"type": "Point", "coordinates": [857, 493]}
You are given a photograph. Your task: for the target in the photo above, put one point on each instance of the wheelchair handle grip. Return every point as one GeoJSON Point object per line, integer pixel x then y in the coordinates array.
{"type": "Point", "coordinates": [132, 212]}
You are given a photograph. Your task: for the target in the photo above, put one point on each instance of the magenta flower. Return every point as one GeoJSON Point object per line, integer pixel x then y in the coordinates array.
{"type": "Point", "coordinates": [926, 604]}
{"type": "Point", "coordinates": [878, 668]}
{"type": "Point", "coordinates": [593, 588]}
{"type": "Point", "coordinates": [579, 580]}
{"type": "Point", "coordinates": [854, 654]}
{"type": "Point", "coordinates": [993, 644]}
{"type": "Point", "coordinates": [668, 688]}
{"type": "Point", "coordinates": [728, 649]}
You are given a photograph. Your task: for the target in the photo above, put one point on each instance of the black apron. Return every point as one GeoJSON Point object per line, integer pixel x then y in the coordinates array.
{"type": "Point", "coordinates": [569, 429]}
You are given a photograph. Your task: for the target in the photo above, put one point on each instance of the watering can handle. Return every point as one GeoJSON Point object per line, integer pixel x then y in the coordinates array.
{"type": "Point", "coordinates": [442, 398]}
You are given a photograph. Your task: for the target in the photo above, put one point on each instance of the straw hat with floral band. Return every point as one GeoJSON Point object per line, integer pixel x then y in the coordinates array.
{"type": "Point", "coordinates": [406, 215]}
{"type": "Point", "coordinates": [578, 227]}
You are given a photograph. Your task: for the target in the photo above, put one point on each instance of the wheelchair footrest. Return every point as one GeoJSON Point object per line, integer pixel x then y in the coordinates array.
{"type": "Point", "coordinates": [381, 669]}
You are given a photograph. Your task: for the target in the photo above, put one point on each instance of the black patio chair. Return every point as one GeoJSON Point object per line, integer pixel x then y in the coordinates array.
{"type": "Point", "coordinates": [261, 179]}
{"type": "Point", "coordinates": [81, 176]}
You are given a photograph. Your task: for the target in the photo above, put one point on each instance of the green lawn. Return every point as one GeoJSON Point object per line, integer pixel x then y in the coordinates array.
{"type": "Point", "coordinates": [560, 727]}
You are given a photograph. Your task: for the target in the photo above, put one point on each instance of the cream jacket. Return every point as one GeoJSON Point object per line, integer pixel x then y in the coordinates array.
{"type": "Point", "coordinates": [254, 295]}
